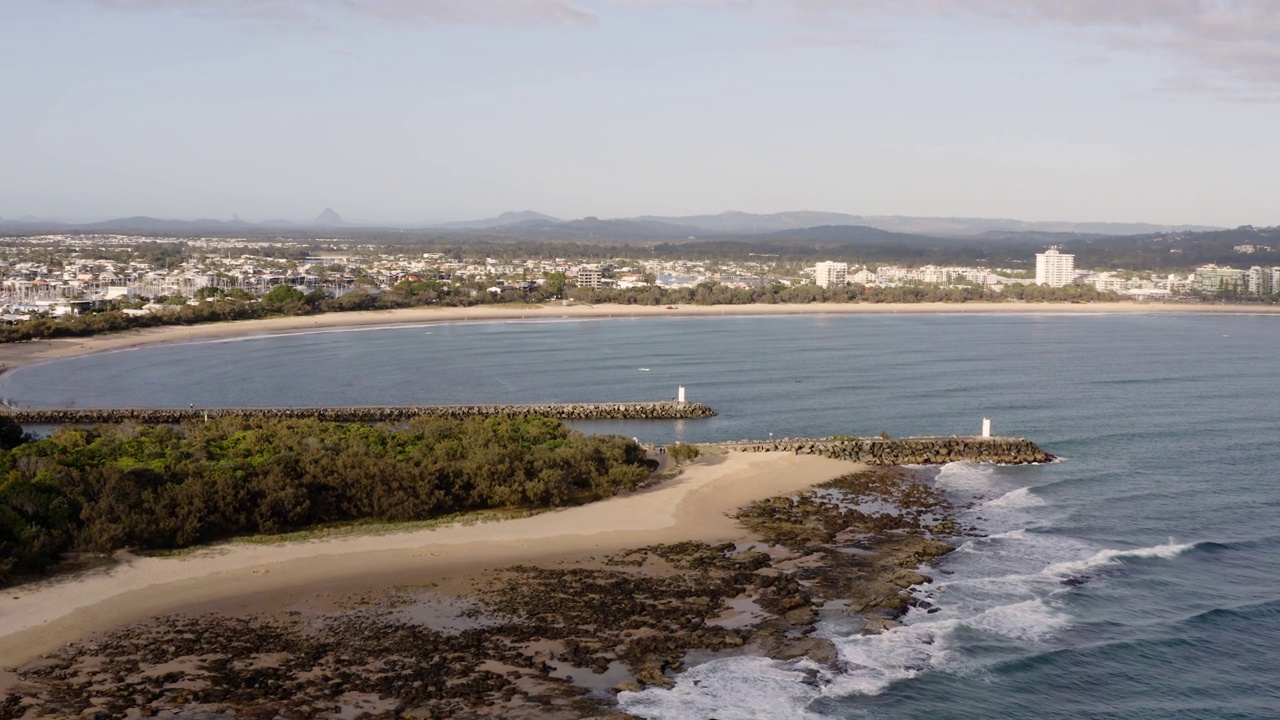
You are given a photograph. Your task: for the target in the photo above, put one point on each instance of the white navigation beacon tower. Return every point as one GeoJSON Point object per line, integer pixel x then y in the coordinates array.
{"type": "Point", "coordinates": [680, 394]}
{"type": "Point", "coordinates": [986, 427]}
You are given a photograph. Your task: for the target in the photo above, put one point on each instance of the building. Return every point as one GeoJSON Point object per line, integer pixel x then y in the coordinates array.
{"type": "Point", "coordinates": [1110, 282]}
{"type": "Point", "coordinates": [863, 277]}
{"type": "Point", "coordinates": [589, 277]}
{"type": "Point", "coordinates": [1055, 269]}
{"type": "Point", "coordinates": [828, 274]}
{"type": "Point", "coordinates": [1262, 281]}
{"type": "Point", "coordinates": [1212, 279]}
{"type": "Point", "coordinates": [1255, 281]}
{"type": "Point", "coordinates": [933, 275]}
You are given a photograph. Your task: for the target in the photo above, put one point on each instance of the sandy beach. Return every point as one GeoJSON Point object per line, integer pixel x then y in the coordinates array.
{"type": "Point", "coordinates": [38, 618]}
{"type": "Point", "coordinates": [17, 354]}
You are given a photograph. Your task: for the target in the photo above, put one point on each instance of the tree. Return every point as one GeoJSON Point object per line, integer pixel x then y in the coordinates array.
{"type": "Point", "coordinates": [554, 285]}
{"type": "Point", "coordinates": [283, 295]}
{"type": "Point", "coordinates": [11, 433]}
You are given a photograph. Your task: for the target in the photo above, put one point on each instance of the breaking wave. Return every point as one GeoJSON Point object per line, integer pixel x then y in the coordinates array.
{"type": "Point", "coordinates": [1006, 591]}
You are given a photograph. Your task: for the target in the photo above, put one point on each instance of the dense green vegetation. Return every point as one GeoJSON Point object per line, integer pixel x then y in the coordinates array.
{"type": "Point", "coordinates": [96, 490]}
{"type": "Point", "coordinates": [716, 294]}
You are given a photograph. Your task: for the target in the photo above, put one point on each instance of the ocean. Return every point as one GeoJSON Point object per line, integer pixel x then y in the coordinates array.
{"type": "Point", "coordinates": [1137, 577]}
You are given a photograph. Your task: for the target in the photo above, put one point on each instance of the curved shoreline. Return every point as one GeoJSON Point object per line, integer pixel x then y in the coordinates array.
{"type": "Point", "coordinates": [14, 355]}
{"type": "Point", "coordinates": [37, 618]}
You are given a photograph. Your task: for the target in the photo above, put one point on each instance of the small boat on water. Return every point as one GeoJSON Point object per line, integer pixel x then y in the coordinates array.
{"type": "Point", "coordinates": [643, 369]}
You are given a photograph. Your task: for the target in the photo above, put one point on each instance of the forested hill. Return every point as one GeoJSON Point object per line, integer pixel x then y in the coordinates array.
{"type": "Point", "coordinates": [1169, 252]}
{"type": "Point", "coordinates": [1175, 251]}
{"type": "Point", "coordinates": [1159, 252]}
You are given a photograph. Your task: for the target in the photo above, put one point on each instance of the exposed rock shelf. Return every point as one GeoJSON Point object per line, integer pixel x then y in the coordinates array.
{"type": "Point", "coordinates": [562, 411]}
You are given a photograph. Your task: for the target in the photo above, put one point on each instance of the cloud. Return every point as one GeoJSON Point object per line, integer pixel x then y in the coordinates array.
{"type": "Point", "coordinates": [1229, 46]}
{"type": "Point", "coordinates": [418, 12]}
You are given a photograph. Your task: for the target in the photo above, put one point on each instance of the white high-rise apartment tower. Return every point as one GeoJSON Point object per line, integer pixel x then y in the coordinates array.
{"type": "Point", "coordinates": [1055, 269]}
{"type": "Point", "coordinates": [827, 274]}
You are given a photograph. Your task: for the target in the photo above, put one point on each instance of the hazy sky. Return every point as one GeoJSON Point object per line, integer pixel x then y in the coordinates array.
{"type": "Point", "coordinates": [421, 110]}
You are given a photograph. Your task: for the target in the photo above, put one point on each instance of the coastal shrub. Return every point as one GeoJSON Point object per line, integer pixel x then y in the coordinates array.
{"type": "Point", "coordinates": [283, 295]}
{"type": "Point", "coordinates": [100, 489]}
{"type": "Point", "coordinates": [683, 452]}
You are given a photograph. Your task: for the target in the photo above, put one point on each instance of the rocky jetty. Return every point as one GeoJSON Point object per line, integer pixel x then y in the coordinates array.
{"type": "Point", "coordinates": [560, 411]}
{"type": "Point", "coordinates": [907, 451]}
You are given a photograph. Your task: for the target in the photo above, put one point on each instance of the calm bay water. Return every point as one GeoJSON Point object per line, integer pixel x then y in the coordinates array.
{"type": "Point", "coordinates": [1139, 578]}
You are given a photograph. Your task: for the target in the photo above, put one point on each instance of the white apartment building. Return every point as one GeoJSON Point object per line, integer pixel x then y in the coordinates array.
{"type": "Point", "coordinates": [827, 274]}
{"type": "Point", "coordinates": [933, 275]}
{"type": "Point", "coordinates": [1110, 282]}
{"type": "Point", "coordinates": [1055, 269]}
{"type": "Point", "coordinates": [1262, 281]}
{"type": "Point", "coordinates": [863, 277]}
{"type": "Point", "coordinates": [1213, 279]}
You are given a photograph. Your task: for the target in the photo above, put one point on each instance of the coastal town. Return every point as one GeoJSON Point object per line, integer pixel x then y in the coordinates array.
{"type": "Point", "coordinates": [58, 275]}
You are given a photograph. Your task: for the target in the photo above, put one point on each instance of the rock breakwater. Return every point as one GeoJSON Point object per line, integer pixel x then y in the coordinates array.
{"type": "Point", "coordinates": [560, 411]}
{"type": "Point", "coordinates": [908, 451]}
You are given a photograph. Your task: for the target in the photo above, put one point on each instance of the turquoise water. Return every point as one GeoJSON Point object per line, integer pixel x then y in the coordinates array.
{"type": "Point", "coordinates": [1137, 578]}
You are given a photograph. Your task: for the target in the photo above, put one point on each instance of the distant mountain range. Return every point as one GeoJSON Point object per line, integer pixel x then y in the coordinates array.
{"type": "Point", "coordinates": [506, 218]}
{"type": "Point", "coordinates": [741, 223]}
{"type": "Point", "coordinates": [146, 225]}
{"type": "Point", "coordinates": [798, 225]}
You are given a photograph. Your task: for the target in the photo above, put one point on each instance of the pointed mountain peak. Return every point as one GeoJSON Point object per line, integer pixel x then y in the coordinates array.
{"type": "Point", "coordinates": [328, 217]}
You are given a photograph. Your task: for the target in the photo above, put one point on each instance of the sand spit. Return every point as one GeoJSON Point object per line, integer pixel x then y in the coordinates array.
{"type": "Point", "coordinates": [557, 638]}
{"type": "Point", "coordinates": [37, 618]}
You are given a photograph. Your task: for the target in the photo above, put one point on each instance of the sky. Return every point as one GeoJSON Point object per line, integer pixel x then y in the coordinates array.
{"type": "Point", "coordinates": [419, 111]}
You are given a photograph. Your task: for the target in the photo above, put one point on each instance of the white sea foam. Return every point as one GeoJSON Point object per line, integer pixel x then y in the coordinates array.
{"type": "Point", "coordinates": [1103, 558]}
{"type": "Point", "coordinates": [965, 477]}
{"type": "Point", "coordinates": [1015, 534]}
{"type": "Point", "coordinates": [742, 688]}
{"type": "Point", "coordinates": [750, 688]}
{"type": "Point", "coordinates": [1026, 621]}
{"type": "Point", "coordinates": [1021, 498]}
{"type": "Point", "coordinates": [1020, 550]}
{"type": "Point", "coordinates": [873, 662]}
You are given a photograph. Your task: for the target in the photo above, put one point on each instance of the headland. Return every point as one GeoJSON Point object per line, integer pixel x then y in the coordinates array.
{"type": "Point", "coordinates": [545, 616]}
